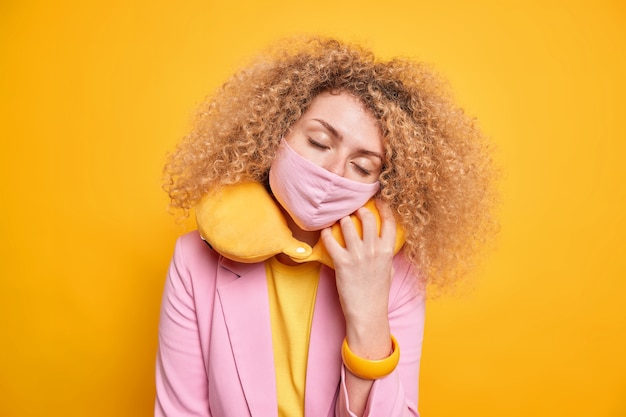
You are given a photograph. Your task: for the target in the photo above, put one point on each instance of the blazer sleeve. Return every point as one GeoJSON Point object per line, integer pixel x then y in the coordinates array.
{"type": "Point", "coordinates": [181, 379]}
{"type": "Point", "coordinates": [396, 394]}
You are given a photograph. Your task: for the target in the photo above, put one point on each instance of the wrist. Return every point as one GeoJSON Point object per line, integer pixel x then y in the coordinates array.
{"type": "Point", "coordinates": [370, 341]}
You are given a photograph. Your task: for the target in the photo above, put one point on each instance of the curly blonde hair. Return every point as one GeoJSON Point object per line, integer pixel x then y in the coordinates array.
{"type": "Point", "coordinates": [438, 178]}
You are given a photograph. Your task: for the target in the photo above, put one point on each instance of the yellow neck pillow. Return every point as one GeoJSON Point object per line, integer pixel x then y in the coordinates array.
{"type": "Point", "coordinates": [243, 222]}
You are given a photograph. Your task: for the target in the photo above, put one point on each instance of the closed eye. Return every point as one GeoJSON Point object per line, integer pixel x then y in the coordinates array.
{"type": "Point", "coordinates": [317, 144]}
{"type": "Point", "coordinates": [362, 171]}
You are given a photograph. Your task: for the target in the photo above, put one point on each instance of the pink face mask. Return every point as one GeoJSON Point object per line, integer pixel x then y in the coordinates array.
{"type": "Point", "coordinates": [314, 197]}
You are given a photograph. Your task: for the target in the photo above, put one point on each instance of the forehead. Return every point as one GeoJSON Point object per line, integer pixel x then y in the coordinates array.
{"type": "Point", "coordinates": [346, 114]}
{"type": "Point", "coordinates": [339, 103]}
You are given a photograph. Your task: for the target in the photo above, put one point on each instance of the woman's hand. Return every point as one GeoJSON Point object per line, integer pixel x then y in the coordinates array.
{"type": "Point", "coordinates": [363, 272]}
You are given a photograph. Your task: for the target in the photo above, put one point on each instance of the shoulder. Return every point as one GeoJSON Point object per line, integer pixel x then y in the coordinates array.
{"type": "Point", "coordinates": [193, 261]}
{"type": "Point", "coordinates": [193, 252]}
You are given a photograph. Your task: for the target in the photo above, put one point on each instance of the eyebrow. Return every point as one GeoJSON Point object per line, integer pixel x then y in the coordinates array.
{"type": "Point", "coordinates": [329, 127]}
{"type": "Point", "coordinates": [336, 134]}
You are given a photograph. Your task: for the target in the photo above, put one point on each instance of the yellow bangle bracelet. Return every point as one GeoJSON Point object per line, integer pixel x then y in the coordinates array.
{"type": "Point", "coordinates": [370, 369]}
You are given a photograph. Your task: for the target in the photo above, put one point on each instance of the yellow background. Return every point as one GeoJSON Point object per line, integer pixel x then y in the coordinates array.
{"type": "Point", "coordinates": [94, 93]}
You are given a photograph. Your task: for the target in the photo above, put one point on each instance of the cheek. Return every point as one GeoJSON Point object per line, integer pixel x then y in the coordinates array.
{"type": "Point", "coordinates": [302, 148]}
{"type": "Point", "coordinates": [297, 144]}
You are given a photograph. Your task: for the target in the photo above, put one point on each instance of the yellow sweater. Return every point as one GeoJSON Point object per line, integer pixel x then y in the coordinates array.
{"type": "Point", "coordinates": [292, 291]}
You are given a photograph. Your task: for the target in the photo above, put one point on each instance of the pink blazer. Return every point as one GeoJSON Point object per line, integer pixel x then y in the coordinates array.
{"type": "Point", "coordinates": [215, 355]}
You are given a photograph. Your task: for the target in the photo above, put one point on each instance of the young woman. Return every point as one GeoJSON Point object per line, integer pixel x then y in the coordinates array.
{"type": "Point", "coordinates": [320, 127]}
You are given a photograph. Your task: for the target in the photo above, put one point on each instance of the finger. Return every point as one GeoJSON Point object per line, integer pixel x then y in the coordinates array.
{"type": "Point", "coordinates": [350, 234]}
{"type": "Point", "coordinates": [368, 224]}
{"type": "Point", "coordinates": [330, 243]}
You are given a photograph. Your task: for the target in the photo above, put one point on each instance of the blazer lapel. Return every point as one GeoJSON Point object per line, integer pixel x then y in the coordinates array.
{"type": "Point", "coordinates": [324, 362]}
{"type": "Point", "coordinates": [246, 313]}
